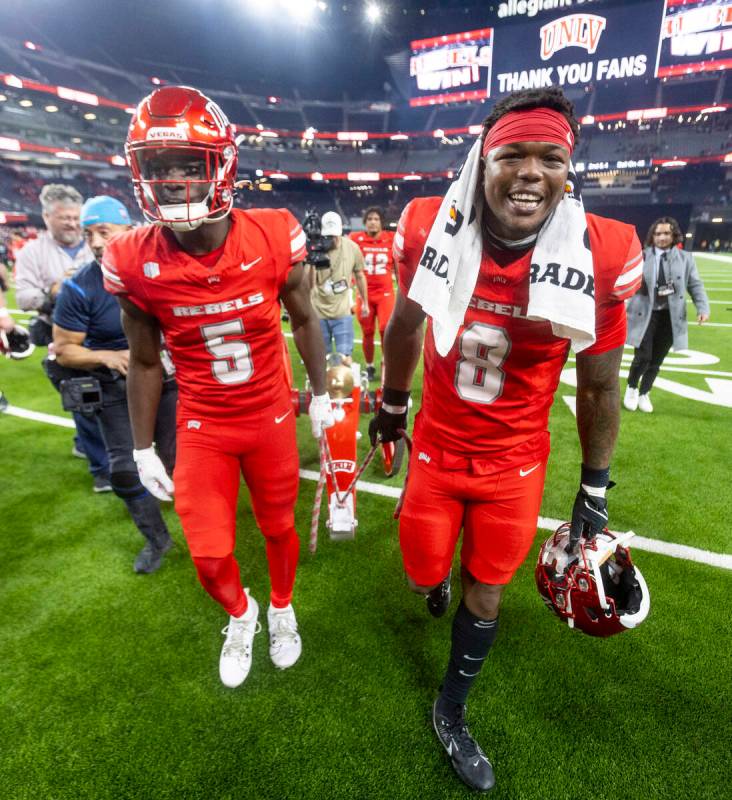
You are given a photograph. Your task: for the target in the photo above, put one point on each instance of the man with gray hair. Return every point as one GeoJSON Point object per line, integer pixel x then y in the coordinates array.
{"type": "Point", "coordinates": [56, 254]}
{"type": "Point", "coordinates": [40, 268]}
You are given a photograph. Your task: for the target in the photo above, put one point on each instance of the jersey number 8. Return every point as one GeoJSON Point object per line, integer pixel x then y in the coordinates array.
{"type": "Point", "coordinates": [478, 374]}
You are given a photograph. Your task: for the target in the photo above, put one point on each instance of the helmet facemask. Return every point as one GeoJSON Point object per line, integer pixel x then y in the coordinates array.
{"type": "Point", "coordinates": [183, 185]}
{"type": "Point", "coordinates": [595, 587]}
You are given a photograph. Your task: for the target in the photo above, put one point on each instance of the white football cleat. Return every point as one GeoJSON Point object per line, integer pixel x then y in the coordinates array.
{"type": "Point", "coordinates": [644, 403]}
{"type": "Point", "coordinates": [285, 645]}
{"type": "Point", "coordinates": [630, 401]}
{"type": "Point", "coordinates": [236, 654]}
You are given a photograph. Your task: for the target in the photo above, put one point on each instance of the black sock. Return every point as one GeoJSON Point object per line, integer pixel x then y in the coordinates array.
{"type": "Point", "coordinates": [472, 638]}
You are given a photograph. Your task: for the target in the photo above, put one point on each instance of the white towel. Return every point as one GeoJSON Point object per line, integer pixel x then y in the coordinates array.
{"type": "Point", "coordinates": [445, 280]}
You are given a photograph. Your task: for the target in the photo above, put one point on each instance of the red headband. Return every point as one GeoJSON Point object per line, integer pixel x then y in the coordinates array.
{"type": "Point", "coordinates": [537, 125]}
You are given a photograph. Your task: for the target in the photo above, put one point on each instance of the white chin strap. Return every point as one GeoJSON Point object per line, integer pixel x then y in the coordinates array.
{"type": "Point", "coordinates": [184, 216]}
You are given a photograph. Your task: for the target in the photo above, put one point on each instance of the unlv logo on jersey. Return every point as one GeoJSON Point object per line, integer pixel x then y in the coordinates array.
{"type": "Point", "coordinates": [575, 30]}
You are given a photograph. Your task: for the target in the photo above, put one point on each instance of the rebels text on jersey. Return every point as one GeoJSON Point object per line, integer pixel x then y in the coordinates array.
{"type": "Point", "coordinates": [490, 396]}
{"type": "Point", "coordinates": [378, 260]}
{"type": "Point", "coordinates": [220, 323]}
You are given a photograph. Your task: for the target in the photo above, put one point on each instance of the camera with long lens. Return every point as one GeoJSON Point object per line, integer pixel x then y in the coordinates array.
{"type": "Point", "coordinates": [317, 245]}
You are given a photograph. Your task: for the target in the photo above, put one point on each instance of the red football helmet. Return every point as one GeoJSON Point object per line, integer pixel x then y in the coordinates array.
{"type": "Point", "coordinates": [594, 588]}
{"type": "Point", "coordinates": [182, 152]}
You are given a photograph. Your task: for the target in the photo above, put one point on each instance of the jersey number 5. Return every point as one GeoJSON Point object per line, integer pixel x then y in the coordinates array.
{"type": "Point", "coordinates": [478, 374]}
{"type": "Point", "coordinates": [233, 362]}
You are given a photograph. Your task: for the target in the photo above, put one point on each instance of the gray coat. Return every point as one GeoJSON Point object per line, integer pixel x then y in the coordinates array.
{"type": "Point", "coordinates": [681, 269]}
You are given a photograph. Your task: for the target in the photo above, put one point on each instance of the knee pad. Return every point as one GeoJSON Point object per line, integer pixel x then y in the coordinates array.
{"type": "Point", "coordinates": [126, 484]}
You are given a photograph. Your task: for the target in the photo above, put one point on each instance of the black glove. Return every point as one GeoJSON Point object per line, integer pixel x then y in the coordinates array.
{"type": "Point", "coordinates": [391, 417]}
{"type": "Point", "coordinates": [589, 513]}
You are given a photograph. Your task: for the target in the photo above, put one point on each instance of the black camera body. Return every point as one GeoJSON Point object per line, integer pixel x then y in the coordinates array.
{"type": "Point", "coordinates": [317, 245]}
{"type": "Point", "coordinates": [81, 394]}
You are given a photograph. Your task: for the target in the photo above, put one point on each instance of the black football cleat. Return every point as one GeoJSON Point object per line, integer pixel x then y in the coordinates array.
{"type": "Point", "coordinates": [371, 372]}
{"type": "Point", "coordinates": [466, 756]}
{"type": "Point", "coordinates": [150, 558]}
{"type": "Point", "coordinates": [438, 600]}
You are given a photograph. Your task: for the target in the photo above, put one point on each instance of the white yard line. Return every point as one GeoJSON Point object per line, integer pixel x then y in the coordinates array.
{"type": "Point", "coordinates": [639, 542]}
{"type": "Point", "coordinates": [37, 416]}
{"type": "Point", "coordinates": [727, 259]}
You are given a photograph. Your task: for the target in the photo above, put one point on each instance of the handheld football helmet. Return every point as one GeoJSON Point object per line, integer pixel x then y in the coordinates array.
{"type": "Point", "coordinates": [595, 588]}
{"type": "Point", "coordinates": [16, 343]}
{"type": "Point", "coordinates": [182, 152]}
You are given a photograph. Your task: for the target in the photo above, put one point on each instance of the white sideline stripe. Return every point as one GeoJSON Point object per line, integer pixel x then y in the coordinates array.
{"type": "Point", "coordinates": [363, 486]}
{"type": "Point", "coordinates": [662, 548]}
{"type": "Point", "coordinates": [713, 256]}
{"type": "Point", "coordinates": [38, 416]}
{"type": "Point", "coordinates": [718, 324]}
{"type": "Point", "coordinates": [547, 524]}
{"type": "Point", "coordinates": [640, 542]}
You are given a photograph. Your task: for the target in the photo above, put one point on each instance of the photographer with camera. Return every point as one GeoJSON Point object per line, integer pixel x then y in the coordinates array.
{"type": "Point", "coordinates": [334, 262]}
{"type": "Point", "coordinates": [40, 268]}
{"type": "Point", "coordinates": [90, 342]}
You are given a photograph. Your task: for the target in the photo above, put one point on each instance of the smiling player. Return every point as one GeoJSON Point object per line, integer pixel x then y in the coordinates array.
{"type": "Point", "coordinates": [480, 440]}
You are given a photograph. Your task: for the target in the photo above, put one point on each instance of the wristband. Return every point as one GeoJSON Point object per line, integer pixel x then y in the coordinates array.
{"type": "Point", "coordinates": [4, 313]}
{"type": "Point", "coordinates": [595, 481]}
{"type": "Point", "coordinates": [395, 397]}
{"type": "Point", "coordinates": [390, 409]}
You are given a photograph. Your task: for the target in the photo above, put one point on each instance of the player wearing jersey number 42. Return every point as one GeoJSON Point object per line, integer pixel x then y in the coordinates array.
{"type": "Point", "coordinates": [490, 372]}
{"type": "Point", "coordinates": [377, 247]}
{"type": "Point", "coordinates": [210, 279]}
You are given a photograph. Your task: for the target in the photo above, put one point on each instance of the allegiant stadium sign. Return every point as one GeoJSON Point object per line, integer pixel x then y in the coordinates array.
{"type": "Point", "coordinates": [530, 8]}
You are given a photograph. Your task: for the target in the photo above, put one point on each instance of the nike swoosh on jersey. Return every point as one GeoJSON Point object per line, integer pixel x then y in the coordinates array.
{"type": "Point", "coordinates": [245, 267]}
{"type": "Point", "coordinates": [523, 473]}
{"type": "Point", "coordinates": [279, 419]}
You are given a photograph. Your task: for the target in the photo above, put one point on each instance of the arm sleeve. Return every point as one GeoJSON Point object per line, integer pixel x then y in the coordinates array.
{"type": "Point", "coordinates": [114, 281]}
{"type": "Point", "coordinates": [30, 292]}
{"type": "Point", "coordinates": [297, 237]}
{"type": "Point", "coordinates": [631, 274]}
{"type": "Point", "coordinates": [610, 318]}
{"type": "Point", "coordinates": [72, 309]}
{"type": "Point", "coordinates": [407, 248]}
{"type": "Point", "coordinates": [696, 287]}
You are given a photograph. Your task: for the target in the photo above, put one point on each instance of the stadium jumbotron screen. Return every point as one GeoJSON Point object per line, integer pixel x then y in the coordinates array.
{"type": "Point", "coordinates": [572, 45]}
{"type": "Point", "coordinates": [451, 68]}
{"type": "Point", "coordinates": [695, 37]}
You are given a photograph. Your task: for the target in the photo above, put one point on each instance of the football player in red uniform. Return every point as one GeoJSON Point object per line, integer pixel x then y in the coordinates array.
{"type": "Point", "coordinates": [481, 441]}
{"type": "Point", "coordinates": [377, 247]}
{"type": "Point", "coordinates": [210, 279]}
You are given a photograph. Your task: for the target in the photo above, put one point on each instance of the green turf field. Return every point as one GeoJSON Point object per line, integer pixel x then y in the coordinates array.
{"type": "Point", "coordinates": [110, 683]}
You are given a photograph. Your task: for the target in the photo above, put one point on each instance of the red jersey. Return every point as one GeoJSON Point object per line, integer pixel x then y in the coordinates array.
{"type": "Point", "coordinates": [491, 395]}
{"type": "Point", "coordinates": [378, 260]}
{"type": "Point", "coordinates": [221, 323]}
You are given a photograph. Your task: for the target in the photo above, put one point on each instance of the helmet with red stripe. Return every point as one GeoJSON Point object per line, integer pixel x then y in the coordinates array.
{"type": "Point", "coordinates": [594, 587]}
{"type": "Point", "coordinates": [182, 152]}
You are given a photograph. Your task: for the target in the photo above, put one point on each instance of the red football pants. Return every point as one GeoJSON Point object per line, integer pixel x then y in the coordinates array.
{"type": "Point", "coordinates": [212, 454]}
{"type": "Point", "coordinates": [381, 304]}
{"type": "Point", "coordinates": [497, 511]}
